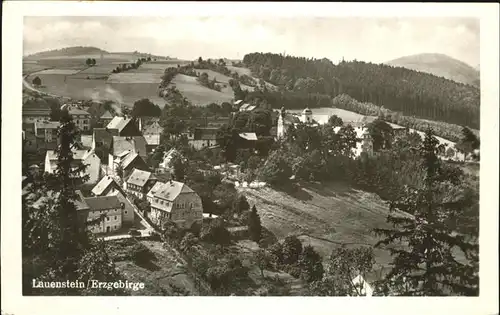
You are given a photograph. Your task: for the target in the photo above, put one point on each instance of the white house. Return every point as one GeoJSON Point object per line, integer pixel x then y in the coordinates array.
{"type": "Point", "coordinates": [175, 201]}
{"type": "Point", "coordinates": [86, 157]}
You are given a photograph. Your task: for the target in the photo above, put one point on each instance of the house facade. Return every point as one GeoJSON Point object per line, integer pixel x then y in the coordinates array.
{"type": "Point", "coordinates": [126, 126]}
{"type": "Point", "coordinates": [46, 130]}
{"type": "Point", "coordinates": [81, 118]}
{"type": "Point", "coordinates": [107, 186]}
{"type": "Point", "coordinates": [122, 147]}
{"type": "Point", "coordinates": [139, 183]}
{"type": "Point", "coordinates": [175, 201]}
{"type": "Point", "coordinates": [105, 212]}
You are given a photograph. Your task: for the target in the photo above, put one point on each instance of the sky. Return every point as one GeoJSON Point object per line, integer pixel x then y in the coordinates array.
{"type": "Point", "coordinates": [369, 39]}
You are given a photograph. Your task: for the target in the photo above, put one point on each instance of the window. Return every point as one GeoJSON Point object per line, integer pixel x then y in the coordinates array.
{"type": "Point", "coordinates": [115, 217]}
{"type": "Point", "coordinates": [84, 127]}
{"type": "Point", "coordinates": [107, 218]}
{"type": "Point", "coordinates": [77, 121]}
{"type": "Point", "coordinates": [125, 211]}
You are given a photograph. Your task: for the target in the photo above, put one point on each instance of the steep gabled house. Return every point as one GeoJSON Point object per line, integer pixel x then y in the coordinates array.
{"type": "Point", "coordinates": [109, 187]}
{"type": "Point", "coordinates": [175, 201]}
{"type": "Point", "coordinates": [102, 141]}
{"type": "Point", "coordinates": [106, 118]}
{"type": "Point", "coordinates": [203, 138]}
{"type": "Point", "coordinates": [123, 146]}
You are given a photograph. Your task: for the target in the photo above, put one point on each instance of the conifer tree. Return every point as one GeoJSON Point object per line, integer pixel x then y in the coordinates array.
{"type": "Point", "coordinates": [56, 245]}
{"type": "Point", "coordinates": [254, 225]}
{"type": "Point", "coordinates": [426, 262]}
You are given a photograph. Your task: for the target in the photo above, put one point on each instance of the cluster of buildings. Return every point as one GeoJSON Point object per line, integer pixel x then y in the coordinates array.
{"type": "Point", "coordinates": [115, 157]}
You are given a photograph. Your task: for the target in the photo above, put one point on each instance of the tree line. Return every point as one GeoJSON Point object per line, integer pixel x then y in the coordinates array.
{"type": "Point", "coordinates": [399, 89]}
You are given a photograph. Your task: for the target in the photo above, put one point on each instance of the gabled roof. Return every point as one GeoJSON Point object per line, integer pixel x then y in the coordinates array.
{"type": "Point", "coordinates": [238, 102]}
{"type": "Point", "coordinates": [107, 115]}
{"type": "Point", "coordinates": [139, 177]}
{"type": "Point", "coordinates": [119, 123]}
{"type": "Point", "coordinates": [135, 144]}
{"type": "Point", "coordinates": [248, 136]}
{"type": "Point", "coordinates": [129, 159]}
{"type": "Point", "coordinates": [77, 111]}
{"type": "Point", "coordinates": [169, 190]}
{"type": "Point", "coordinates": [37, 111]}
{"type": "Point", "coordinates": [103, 184]}
{"type": "Point", "coordinates": [103, 202]}
{"type": "Point", "coordinates": [80, 201]}
{"type": "Point", "coordinates": [167, 156]}
{"type": "Point", "coordinates": [152, 139]}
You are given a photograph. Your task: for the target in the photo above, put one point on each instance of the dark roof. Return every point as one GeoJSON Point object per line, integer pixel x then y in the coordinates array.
{"type": "Point", "coordinates": [105, 135]}
{"type": "Point", "coordinates": [135, 144]}
{"type": "Point", "coordinates": [205, 133]}
{"type": "Point", "coordinates": [103, 203]}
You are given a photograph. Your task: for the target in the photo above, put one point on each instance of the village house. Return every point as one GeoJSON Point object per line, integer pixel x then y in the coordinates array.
{"type": "Point", "coordinates": [139, 183]}
{"type": "Point", "coordinates": [86, 157]}
{"type": "Point", "coordinates": [102, 140]}
{"type": "Point", "coordinates": [126, 126]}
{"type": "Point", "coordinates": [81, 118]}
{"type": "Point", "coordinates": [167, 157]}
{"type": "Point", "coordinates": [106, 118]}
{"type": "Point", "coordinates": [107, 186]}
{"type": "Point", "coordinates": [123, 146]}
{"type": "Point", "coordinates": [203, 138]}
{"type": "Point", "coordinates": [47, 130]}
{"type": "Point", "coordinates": [104, 211]}
{"type": "Point", "coordinates": [128, 161]}
{"type": "Point", "coordinates": [175, 201]}
{"type": "Point", "coordinates": [37, 114]}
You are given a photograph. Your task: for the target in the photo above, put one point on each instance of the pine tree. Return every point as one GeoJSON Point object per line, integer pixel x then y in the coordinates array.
{"type": "Point", "coordinates": [424, 244]}
{"type": "Point", "coordinates": [56, 246]}
{"type": "Point", "coordinates": [254, 225]}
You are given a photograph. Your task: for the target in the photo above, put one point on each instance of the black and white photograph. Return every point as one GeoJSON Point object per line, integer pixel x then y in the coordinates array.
{"type": "Point", "coordinates": [229, 155]}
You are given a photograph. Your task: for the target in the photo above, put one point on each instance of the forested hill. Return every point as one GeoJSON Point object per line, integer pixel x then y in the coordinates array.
{"type": "Point", "coordinates": [441, 66]}
{"type": "Point", "coordinates": [69, 51]}
{"type": "Point", "coordinates": [399, 89]}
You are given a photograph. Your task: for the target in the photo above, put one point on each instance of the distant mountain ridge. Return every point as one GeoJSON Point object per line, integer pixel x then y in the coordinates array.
{"type": "Point", "coordinates": [440, 65]}
{"type": "Point", "coordinates": [69, 51]}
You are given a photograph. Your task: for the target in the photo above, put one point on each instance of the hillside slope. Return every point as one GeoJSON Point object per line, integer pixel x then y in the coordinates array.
{"type": "Point", "coordinates": [325, 216]}
{"type": "Point", "coordinates": [439, 65]}
{"type": "Point", "coordinates": [68, 52]}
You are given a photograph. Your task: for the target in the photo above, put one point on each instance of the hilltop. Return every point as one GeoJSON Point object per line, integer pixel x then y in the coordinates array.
{"type": "Point", "coordinates": [68, 52]}
{"type": "Point", "coordinates": [440, 65]}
